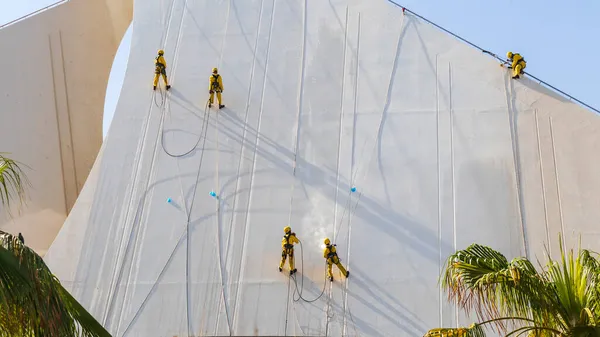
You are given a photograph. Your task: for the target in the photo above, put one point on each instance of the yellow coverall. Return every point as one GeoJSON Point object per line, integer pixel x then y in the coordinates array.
{"type": "Point", "coordinates": [215, 84]}
{"type": "Point", "coordinates": [330, 254]}
{"type": "Point", "coordinates": [160, 66]}
{"type": "Point", "coordinates": [518, 65]}
{"type": "Point", "coordinates": [287, 249]}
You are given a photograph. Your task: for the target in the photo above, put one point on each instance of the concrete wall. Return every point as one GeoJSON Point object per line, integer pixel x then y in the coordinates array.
{"type": "Point", "coordinates": [56, 69]}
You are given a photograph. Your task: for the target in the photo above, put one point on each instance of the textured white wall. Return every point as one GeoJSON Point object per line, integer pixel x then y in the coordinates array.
{"type": "Point", "coordinates": [56, 68]}
{"type": "Point", "coordinates": [444, 148]}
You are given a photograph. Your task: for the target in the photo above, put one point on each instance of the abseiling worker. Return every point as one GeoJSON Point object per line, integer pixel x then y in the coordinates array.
{"type": "Point", "coordinates": [287, 248]}
{"type": "Point", "coordinates": [518, 63]}
{"type": "Point", "coordinates": [215, 85]}
{"type": "Point", "coordinates": [160, 68]}
{"type": "Point", "coordinates": [330, 254]}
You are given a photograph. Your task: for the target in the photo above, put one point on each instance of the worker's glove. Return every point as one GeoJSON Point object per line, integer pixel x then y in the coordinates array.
{"type": "Point", "coordinates": [211, 92]}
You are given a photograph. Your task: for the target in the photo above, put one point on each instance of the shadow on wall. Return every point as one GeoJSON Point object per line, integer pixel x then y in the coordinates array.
{"type": "Point", "coordinates": [489, 190]}
{"type": "Point", "coordinates": [406, 231]}
{"type": "Point", "coordinates": [541, 89]}
{"type": "Point", "coordinates": [233, 77]}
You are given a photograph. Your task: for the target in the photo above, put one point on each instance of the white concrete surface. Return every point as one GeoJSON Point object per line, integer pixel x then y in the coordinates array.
{"type": "Point", "coordinates": [443, 148]}
{"type": "Point", "coordinates": [56, 67]}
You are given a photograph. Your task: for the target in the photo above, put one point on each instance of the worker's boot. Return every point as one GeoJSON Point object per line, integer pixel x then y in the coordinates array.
{"type": "Point", "coordinates": [293, 271]}
{"type": "Point", "coordinates": [221, 106]}
{"type": "Point", "coordinates": [347, 273]}
{"type": "Point", "coordinates": [154, 88]}
{"type": "Point", "coordinates": [331, 278]}
{"type": "Point", "coordinates": [168, 87]}
{"type": "Point", "coordinates": [280, 269]}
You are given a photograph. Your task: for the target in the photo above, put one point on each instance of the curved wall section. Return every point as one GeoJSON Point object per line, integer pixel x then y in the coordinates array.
{"type": "Point", "coordinates": [56, 66]}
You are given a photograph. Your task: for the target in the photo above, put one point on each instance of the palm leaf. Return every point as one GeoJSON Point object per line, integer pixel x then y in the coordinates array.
{"type": "Point", "coordinates": [12, 182]}
{"type": "Point", "coordinates": [481, 279]}
{"type": "Point", "coordinates": [575, 280]}
{"type": "Point", "coordinates": [562, 300]}
{"type": "Point", "coordinates": [32, 300]}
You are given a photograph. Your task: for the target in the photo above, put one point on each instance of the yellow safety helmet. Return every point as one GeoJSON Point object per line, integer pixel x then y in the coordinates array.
{"type": "Point", "coordinates": [327, 242]}
{"type": "Point", "coordinates": [509, 54]}
{"type": "Point", "coordinates": [287, 229]}
{"type": "Point", "coordinates": [161, 52]}
{"type": "Point", "coordinates": [215, 70]}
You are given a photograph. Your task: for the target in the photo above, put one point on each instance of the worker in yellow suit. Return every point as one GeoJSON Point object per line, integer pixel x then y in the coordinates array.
{"type": "Point", "coordinates": [518, 63]}
{"type": "Point", "coordinates": [215, 86]}
{"type": "Point", "coordinates": [160, 68]}
{"type": "Point", "coordinates": [330, 254]}
{"type": "Point", "coordinates": [287, 248]}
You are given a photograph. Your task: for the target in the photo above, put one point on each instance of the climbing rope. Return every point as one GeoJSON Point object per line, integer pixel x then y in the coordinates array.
{"type": "Point", "coordinates": [122, 251]}
{"type": "Point", "coordinates": [185, 234]}
{"type": "Point", "coordinates": [163, 96]}
{"type": "Point", "coordinates": [404, 9]}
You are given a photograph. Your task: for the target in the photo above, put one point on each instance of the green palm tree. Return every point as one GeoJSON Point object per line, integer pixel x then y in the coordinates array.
{"type": "Point", "coordinates": [32, 300]}
{"type": "Point", "coordinates": [563, 300]}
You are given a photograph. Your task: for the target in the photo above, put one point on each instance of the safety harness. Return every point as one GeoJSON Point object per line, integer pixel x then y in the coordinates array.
{"type": "Point", "coordinates": [160, 68]}
{"type": "Point", "coordinates": [214, 84]}
{"type": "Point", "coordinates": [287, 245]}
{"type": "Point", "coordinates": [331, 253]}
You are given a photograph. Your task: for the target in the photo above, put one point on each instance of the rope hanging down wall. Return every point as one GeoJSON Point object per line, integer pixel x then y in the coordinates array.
{"type": "Point", "coordinates": [404, 9]}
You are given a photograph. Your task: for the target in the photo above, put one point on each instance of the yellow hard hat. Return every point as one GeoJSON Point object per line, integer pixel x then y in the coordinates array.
{"type": "Point", "coordinates": [215, 70]}
{"type": "Point", "coordinates": [327, 242]}
{"type": "Point", "coordinates": [287, 229]}
{"type": "Point", "coordinates": [161, 52]}
{"type": "Point", "coordinates": [509, 54]}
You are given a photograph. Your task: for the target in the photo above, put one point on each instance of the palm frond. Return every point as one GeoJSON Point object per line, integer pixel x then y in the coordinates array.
{"type": "Point", "coordinates": [575, 281]}
{"type": "Point", "coordinates": [13, 182]}
{"type": "Point", "coordinates": [32, 300]}
{"type": "Point", "coordinates": [536, 331]}
{"type": "Point", "coordinates": [562, 300]}
{"type": "Point", "coordinates": [482, 279]}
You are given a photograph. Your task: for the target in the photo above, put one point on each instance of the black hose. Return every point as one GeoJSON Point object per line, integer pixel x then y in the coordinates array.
{"type": "Point", "coordinates": [299, 292]}
{"type": "Point", "coordinates": [162, 137]}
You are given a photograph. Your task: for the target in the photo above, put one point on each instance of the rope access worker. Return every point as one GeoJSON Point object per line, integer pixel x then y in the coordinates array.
{"type": "Point", "coordinates": [518, 63]}
{"type": "Point", "coordinates": [330, 254]}
{"type": "Point", "coordinates": [287, 248]}
{"type": "Point", "coordinates": [215, 85]}
{"type": "Point", "coordinates": [160, 66]}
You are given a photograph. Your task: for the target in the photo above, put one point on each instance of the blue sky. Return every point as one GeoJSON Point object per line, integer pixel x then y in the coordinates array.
{"type": "Point", "coordinates": [558, 41]}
